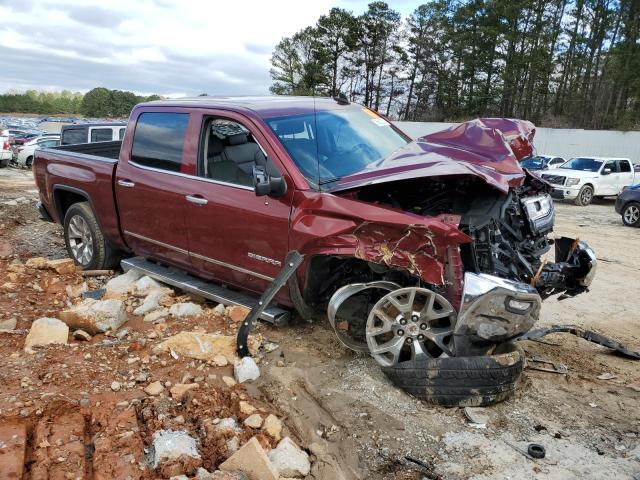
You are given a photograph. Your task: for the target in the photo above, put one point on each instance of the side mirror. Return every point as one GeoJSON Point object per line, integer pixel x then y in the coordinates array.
{"type": "Point", "coordinates": [268, 181]}
{"type": "Point", "coordinates": [606, 171]}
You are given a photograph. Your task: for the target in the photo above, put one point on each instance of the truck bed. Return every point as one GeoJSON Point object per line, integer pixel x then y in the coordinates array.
{"type": "Point", "coordinates": [82, 172]}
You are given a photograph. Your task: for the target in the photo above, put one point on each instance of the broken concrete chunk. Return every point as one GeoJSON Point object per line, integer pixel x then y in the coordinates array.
{"type": "Point", "coordinates": [122, 283]}
{"type": "Point", "coordinates": [477, 417]}
{"type": "Point", "coordinates": [252, 460]}
{"type": "Point", "coordinates": [219, 309]}
{"type": "Point", "coordinates": [144, 285]}
{"type": "Point", "coordinates": [220, 360]}
{"type": "Point", "coordinates": [154, 388]}
{"type": "Point", "coordinates": [75, 291]}
{"type": "Point", "coordinates": [37, 262]}
{"type": "Point", "coordinates": [168, 446]}
{"type": "Point", "coordinates": [228, 381]}
{"type": "Point", "coordinates": [46, 331]}
{"type": "Point", "coordinates": [237, 313]}
{"type": "Point", "coordinates": [246, 408]}
{"type": "Point", "coordinates": [246, 370]}
{"type": "Point", "coordinates": [201, 346]}
{"type": "Point", "coordinates": [156, 316]}
{"type": "Point", "coordinates": [95, 316]}
{"type": "Point", "coordinates": [289, 460]}
{"type": "Point", "coordinates": [202, 474]}
{"type": "Point", "coordinates": [81, 335]}
{"type": "Point", "coordinates": [8, 325]}
{"type": "Point", "coordinates": [273, 426]}
{"type": "Point", "coordinates": [152, 301]}
{"type": "Point", "coordinates": [62, 266]}
{"type": "Point", "coordinates": [253, 421]}
{"type": "Point", "coordinates": [187, 309]}
{"type": "Point", "coordinates": [179, 390]}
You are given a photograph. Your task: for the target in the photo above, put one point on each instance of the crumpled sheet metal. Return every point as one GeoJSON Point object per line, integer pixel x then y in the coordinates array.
{"type": "Point", "coordinates": [412, 249]}
{"type": "Point", "coordinates": [588, 335]}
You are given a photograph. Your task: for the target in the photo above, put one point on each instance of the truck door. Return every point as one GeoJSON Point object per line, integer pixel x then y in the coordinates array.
{"type": "Point", "coordinates": [150, 191]}
{"type": "Point", "coordinates": [609, 178]}
{"type": "Point", "coordinates": [235, 236]}
{"type": "Point", "coordinates": [626, 174]}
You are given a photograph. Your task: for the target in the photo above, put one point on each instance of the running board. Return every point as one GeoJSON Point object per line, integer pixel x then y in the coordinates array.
{"type": "Point", "coordinates": [211, 291]}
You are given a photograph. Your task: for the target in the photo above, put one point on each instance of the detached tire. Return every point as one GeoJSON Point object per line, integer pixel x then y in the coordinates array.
{"type": "Point", "coordinates": [461, 381]}
{"type": "Point", "coordinates": [585, 196]}
{"type": "Point", "coordinates": [85, 242]}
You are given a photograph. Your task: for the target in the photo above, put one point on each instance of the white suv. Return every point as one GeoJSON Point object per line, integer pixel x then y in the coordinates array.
{"type": "Point", "coordinates": [583, 178]}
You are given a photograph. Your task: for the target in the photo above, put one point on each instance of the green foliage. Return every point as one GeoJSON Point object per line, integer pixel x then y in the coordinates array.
{"type": "Point", "coordinates": [99, 102]}
{"type": "Point", "coordinates": [572, 63]}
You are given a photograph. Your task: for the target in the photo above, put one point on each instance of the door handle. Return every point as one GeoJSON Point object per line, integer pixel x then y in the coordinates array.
{"type": "Point", "coordinates": [197, 199]}
{"type": "Point", "coordinates": [126, 183]}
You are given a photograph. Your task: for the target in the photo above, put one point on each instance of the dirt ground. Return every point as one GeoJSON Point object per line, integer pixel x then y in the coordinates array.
{"type": "Point", "coordinates": [335, 403]}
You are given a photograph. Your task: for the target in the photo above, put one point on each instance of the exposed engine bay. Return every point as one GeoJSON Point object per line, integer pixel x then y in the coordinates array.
{"type": "Point", "coordinates": [505, 272]}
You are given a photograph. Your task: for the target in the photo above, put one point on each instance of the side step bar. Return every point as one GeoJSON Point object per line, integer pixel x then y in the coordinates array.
{"type": "Point", "coordinates": [211, 291]}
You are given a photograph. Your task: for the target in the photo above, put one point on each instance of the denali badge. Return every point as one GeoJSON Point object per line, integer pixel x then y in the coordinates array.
{"type": "Point", "coordinates": [255, 256]}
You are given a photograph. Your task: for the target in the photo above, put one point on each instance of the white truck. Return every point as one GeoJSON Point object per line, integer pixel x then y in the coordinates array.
{"type": "Point", "coordinates": [582, 179]}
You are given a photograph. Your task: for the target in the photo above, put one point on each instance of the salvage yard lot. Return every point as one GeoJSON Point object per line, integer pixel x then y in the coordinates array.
{"type": "Point", "coordinates": [334, 403]}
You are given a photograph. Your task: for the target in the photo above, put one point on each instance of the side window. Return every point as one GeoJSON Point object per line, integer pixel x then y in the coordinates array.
{"type": "Point", "coordinates": [612, 166]}
{"type": "Point", "coordinates": [72, 136]}
{"type": "Point", "coordinates": [228, 152]}
{"type": "Point", "coordinates": [557, 161]}
{"type": "Point", "coordinates": [48, 143]}
{"type": "Point", "coordinates": [121, 134]}
{"type": "Point", "coordinates": [624, 166]}
{"type": "Point", "coordinates": [101, 135]}
{"type": "Point", "coordinates": [158, 140]}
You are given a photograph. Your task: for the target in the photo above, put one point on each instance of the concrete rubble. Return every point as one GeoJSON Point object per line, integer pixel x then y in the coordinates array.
{"type": "Point", "coordinates": [252, 460]}
{"type": "Point", "coordinates": [246, 370]}
{"type": "Point", "coordinates": [289, 460]}
{"type": "Point", "coordinates": [46, 331]}
{"type": "Point", "coordinates": [95, 316]}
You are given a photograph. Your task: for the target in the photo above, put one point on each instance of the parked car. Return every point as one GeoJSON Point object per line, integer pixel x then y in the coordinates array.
{"type": "Point", "coordinates": [25, 152]}
{"type": "Point", "coordinates": [583, 178]}
{"type": "Point", "coordinates": [422, 253]}
{"type": "Point", "coordinates": [5, 149]}
{"type": "Point", "coordinates": [541, 162]}
{"type": "Point", "coordinates": [92, 132]}
{"type": "Point", "coordinates": [628, 205]}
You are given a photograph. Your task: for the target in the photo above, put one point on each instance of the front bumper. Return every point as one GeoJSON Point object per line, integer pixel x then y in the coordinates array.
{"type": "Point", "coordinates": [561, 192]}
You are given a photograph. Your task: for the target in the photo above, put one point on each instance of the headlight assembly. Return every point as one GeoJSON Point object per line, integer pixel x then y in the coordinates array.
{"type": "Point", "coordinates": [572, 181]}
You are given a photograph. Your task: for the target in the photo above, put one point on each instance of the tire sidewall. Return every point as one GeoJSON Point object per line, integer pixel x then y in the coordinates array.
{"type": "Point", "coordinates": [98, 248]}
{"type": "Point", "coordinates": [579, 197]}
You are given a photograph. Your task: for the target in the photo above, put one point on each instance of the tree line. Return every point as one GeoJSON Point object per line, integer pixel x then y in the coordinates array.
{"type": "Point", "coordinates": [562, 63]}
{"type": "Point", "coordinates": [98, 102]}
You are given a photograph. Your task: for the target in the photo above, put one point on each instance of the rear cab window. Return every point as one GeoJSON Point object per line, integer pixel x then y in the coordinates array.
{"type": "Point", "coordinates": [158, 140]}
{"type": "Point", "coordinates": [101, 134]}
{"type": "Point", "coordinates": [73, 136]}
{"type": "Point", "coordinates": [624, 166]}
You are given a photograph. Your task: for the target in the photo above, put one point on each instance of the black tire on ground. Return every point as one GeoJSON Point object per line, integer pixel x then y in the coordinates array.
{"type": "Point", "coordinates": [631, 214]}
{"type": "Point", "coordinates": [585, 196]}
{"type": "Point", "coordinates": [461, 381]}
{"type": "Point", "coordinates": [4, 163]}
{"type": "Point", "coordinates": [28, 162]}
{"type": "Point", "coordinates": [104, 256]}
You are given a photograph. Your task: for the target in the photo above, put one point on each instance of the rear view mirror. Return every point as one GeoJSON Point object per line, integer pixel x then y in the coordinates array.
{"type": "Point", "coordinates": [268, 181]}
{"type": "Point", "coordinates": [606, 171]}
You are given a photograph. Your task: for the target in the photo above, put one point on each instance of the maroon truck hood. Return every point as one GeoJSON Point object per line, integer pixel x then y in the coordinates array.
{"type": "Point", "coordinates": [488, 148]}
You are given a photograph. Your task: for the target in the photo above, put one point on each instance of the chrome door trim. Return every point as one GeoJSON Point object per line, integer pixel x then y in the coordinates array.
{"type": "Point", "coordinates": [201, 257]}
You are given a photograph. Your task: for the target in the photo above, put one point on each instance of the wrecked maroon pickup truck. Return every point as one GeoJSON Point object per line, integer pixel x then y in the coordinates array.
{"type": "Point", "coordinates": [430, 255]}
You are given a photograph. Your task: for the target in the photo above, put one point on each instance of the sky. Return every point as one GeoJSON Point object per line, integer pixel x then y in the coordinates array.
{"type": "Point", "coordinates": [169, 47]}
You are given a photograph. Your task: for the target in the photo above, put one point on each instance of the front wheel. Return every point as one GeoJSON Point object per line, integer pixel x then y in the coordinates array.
{"type": "Point", "coordinates": [28, 162]}
{"type": "Point", "coordinates": [585, 196]}
{"type": "Point", "coordinates": [84, 239]}
{"type": "Point", "coordinates": [631, 214]}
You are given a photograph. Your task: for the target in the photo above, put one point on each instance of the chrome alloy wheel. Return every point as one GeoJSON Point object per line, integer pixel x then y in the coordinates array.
{"type": "Point", "coordinates": [586, 196]}
{"type": "Point", "coordinates": [408, 324]}
{"type": "Point", "coordinates": [80, 240]}
{"type": "Point", "coordinates": [631, 214]}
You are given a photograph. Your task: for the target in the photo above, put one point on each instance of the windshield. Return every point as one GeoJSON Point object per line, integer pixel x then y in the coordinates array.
{"type": "Point", "coordinates": [584, 164]}
{"type": "Point", "coordinates": [332, 144]}
{"type": "Point", "coordinates": [534, 163]}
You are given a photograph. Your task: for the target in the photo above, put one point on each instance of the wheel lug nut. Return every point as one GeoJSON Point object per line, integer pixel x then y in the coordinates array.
{"type": "Point", "coordinates": [423, 326]}
{"type": "Point", "coordinates": [409, 340]}
{"type": "Point", "coordinates": [415, 318]}
{"type": "Point", "coordinates": [420, 337]}
{"type": "Point", "coordinates": [400, 332]}
{"type": "Point", "coordinates": [403, 322]}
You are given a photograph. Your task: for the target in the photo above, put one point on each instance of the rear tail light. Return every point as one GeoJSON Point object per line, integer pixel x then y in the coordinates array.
{"type": "Point", "coordinates": [5, 146]}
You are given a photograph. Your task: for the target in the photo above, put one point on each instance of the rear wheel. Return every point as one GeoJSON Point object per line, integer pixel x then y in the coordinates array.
{"type": "Point", "coordinates": [631, 214]}
{"type": "Point", "coordinates": [84, 239]}
{"type": "Point", "coordinates": [585, 196]}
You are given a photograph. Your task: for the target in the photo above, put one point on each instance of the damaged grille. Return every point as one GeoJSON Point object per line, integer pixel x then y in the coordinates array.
{"type": "Point", "coordinates": [554, 179]}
